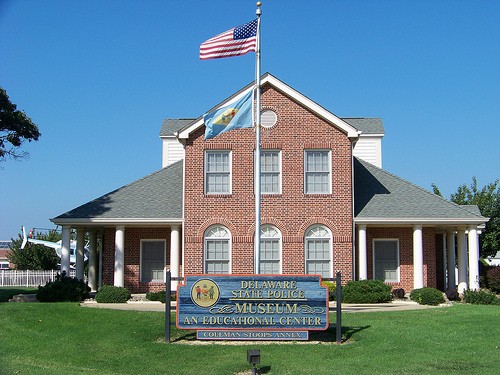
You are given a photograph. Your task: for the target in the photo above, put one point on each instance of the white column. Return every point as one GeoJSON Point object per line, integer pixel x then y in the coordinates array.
{"type": "Point", "coordinates": [363, 259]}
{"type": "Point", "coordinates": [65, 251]}
{"type": "Point", "coordinates": [418, 258]}
{"type": "Point", "coordinates": [119, 256]}
{"type": "Point", "coordinates": [473, 259]}
{"type": "Point", "coordinates": [445, 265]}
{"type": "Point", "coordinates": [93, 261]}
{"type": "Point", "coordinates": [80, 244]}
{"type": "Point", "coordinates": [462, 261]}
{"type": "Point", "coordinates": [450, 257]}
{"type": "Point", "coordinates": [174, 254]}
{"type": "Point", "coordinates": [100, 247]}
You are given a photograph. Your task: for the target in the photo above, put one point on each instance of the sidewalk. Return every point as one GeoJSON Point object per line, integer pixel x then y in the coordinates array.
{"type": "Point", "coordinates": [348, 308]}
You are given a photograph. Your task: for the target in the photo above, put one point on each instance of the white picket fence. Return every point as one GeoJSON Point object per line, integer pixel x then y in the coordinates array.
{"type": "Point", "coordinates": [29, 278]}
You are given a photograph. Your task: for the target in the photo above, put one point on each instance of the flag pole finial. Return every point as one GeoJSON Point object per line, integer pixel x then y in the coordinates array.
{"type": "Point", "coordinates": [259, 4]}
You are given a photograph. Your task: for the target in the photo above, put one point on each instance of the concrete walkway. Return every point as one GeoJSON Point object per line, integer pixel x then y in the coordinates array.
{"type": "Point", "coordinates": [157, 306]}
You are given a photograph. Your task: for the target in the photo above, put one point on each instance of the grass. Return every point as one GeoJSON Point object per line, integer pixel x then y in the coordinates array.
{"type": "Point", "coordinates": [64, 338]}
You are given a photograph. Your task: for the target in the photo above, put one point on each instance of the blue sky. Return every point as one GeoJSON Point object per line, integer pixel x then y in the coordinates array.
{"type": "Point", "coordinates": [98, 77]}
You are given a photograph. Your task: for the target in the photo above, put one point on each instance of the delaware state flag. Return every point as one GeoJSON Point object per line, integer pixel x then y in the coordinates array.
{"type": "Point", "coordinates": [237, 115]}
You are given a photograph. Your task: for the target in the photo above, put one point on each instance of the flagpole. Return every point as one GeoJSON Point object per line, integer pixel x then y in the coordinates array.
{"type": "Point", "coordinates": [257, 145]}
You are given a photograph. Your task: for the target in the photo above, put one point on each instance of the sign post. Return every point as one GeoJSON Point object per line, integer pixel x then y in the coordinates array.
{"type": "Point", "coordinates": [338, 289]}
{"type": "Point", "coordinates": [167, 306]}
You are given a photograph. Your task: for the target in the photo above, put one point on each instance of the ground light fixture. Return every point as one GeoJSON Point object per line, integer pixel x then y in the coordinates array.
{"type": "Point", "coordinates": [253, 357]}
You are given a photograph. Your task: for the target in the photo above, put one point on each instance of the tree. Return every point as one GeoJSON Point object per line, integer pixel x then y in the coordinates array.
{"type": "Point", "coordinates": [35, 257]}
{"type": "Point", "coordinates": [488, 201]}
{"type": "Point", "coordinates": [15, 128]}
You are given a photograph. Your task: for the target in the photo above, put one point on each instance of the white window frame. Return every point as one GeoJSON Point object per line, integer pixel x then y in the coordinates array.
{"type": "Point", "coordinates": [278, 172]}
{"type": "Point", "coordinates": [396, 240]}
{"type": "Point", "coordinates": [307, 173]}
{"type": "Point", "coordinates": [329, 237]}
{"type": "Point", "coordinates": [207, 238]}
{"type": "Point", "coordinates": [229, 172]}
{"type": "Point", "coordinates": [141, 278]}
{"type": "Point", "coordinates": [264, 237]}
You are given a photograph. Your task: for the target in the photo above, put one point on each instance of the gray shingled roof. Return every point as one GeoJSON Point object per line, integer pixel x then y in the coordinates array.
{"type": "Point", "coordinates": [366, 125]}
{"type": "Point", "coordinates": [172, 125]}
{"type": "Point", "coordinates": [156, 196]}
{"type": "Point", "coordinates": [380, 194]}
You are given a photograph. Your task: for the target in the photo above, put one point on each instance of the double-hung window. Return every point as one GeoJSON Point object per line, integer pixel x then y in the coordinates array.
{"type": "Point", "coordinates": [270, 250]}
{"type": "Point", "coordinates": [317, 172]}
{"type": "Point", "coordinates": [152, 260]}
{"type": "Point", "coordinates": [318, 251]}
{"type": "Point", "coordinates": [386, 260]}
{"type": "Point", "coordinates": [270, 172]}
{"type": "Point", "coordinates": [218, 172]}
{"type": "Point", "coordinates": [217, 249]}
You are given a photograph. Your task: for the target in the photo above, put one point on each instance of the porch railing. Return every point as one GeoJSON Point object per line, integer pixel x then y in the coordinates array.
{"type": "Point", "coordinates": [29, 278]}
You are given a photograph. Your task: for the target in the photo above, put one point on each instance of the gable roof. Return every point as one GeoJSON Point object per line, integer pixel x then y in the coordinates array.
{"type": "Point", "coordinates": [268, 79]}
{"type": "Point", "coordinates": [156, 198]}
{"type": "Point", "coordinates": [171, 126]}
{"type": "Point", "coordinates": [383, 198]}
{"type": "Point", "coordinates": [367, 125]}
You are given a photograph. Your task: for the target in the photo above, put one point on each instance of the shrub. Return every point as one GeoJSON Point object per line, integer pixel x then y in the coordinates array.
{"type": "Point", "coordinates": [159, 296]}
{"type": "Point", "coordinates": [398, 293]}
{"type": "Point", "coordinates": [493, 277]}
{"type": "Point", "coordinates": [156, 296]}
{"type": "Point", "coordinates": [427, 296]}
{"type": "Point", "coordinates": [452, 294]}
{"type": "Point", "coordinates": [112, 294]}
{"type": "Point", "coordinates": [63, 289]}
{"type": "Point", "coordinates": [332, 290]}
{"type": "Point", "coordinates": [480, 297]}
{"type": "Point", "coordinates": [366, 291]}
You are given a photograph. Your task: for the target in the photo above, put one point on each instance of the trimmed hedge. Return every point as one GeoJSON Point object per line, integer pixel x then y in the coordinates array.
{"type": "Point", "coordinates": [366, 291]}
{"type": "Point", "coordinates": [427, 296]}
{"type": "Point", "coordinates": [63, 289]}
{"type": "Point", "coordinates": [480, 297]}
{"type": "Point", "coordinates": [160, 296]}
{"type": "Point", "coordinates": [157, 296]}
{"type": "Point", "coordinates": [112, 294]}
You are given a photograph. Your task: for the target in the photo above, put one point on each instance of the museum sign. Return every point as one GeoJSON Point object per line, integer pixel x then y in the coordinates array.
{"type": "Point", "coordinates": [267, 304]}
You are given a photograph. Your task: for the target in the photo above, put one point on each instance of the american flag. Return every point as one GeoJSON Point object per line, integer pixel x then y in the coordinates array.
{"type": "Point", "coordinates": [237, 41]}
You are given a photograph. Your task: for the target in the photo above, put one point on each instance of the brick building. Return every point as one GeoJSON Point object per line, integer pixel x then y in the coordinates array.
{"type": "Point", "coordinates": [326, 205]}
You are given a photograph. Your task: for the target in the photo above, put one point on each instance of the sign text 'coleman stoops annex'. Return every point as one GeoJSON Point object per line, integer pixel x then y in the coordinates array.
{"type": "Point", "coordinates": [252, 307]}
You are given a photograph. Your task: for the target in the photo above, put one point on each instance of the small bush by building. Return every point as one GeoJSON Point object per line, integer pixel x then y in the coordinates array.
{"type": "Point", "coordinates": [493, 278]}
{"type": "Point", "coordinates": [398, 293]}
{"type": "Point", "coordinates": [63, 289]}
{"type": "Point", "coordinates": [112, 294]}
{"type": "Point", "coordinates": [156, 296]}
{"type": "Point", "coordinates": [332, 290]}
{"type": "Point", "coordinates": [480, 297]}
{"type": "Point", "coordinates": [366, 291]}
{"type": "Point", "coordinates": [160, 296]}
{"type": "Point", "coordinates": [427, 296]}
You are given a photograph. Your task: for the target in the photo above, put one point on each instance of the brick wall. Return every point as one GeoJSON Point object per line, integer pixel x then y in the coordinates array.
{"type": "Point", "coordinates": [405, 236]}
{"type": "Point", "coordinates": [133, 237]}
{"type": "Point", "coordinates": [292, 211]}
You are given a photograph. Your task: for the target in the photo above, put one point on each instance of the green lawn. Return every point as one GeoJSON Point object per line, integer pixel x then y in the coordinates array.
{"type": "Point", "coordinates": [64, 338]}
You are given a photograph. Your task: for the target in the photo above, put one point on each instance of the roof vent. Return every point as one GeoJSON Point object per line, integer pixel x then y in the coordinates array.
{"type": "Point", "coordinates": [268, 118]}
